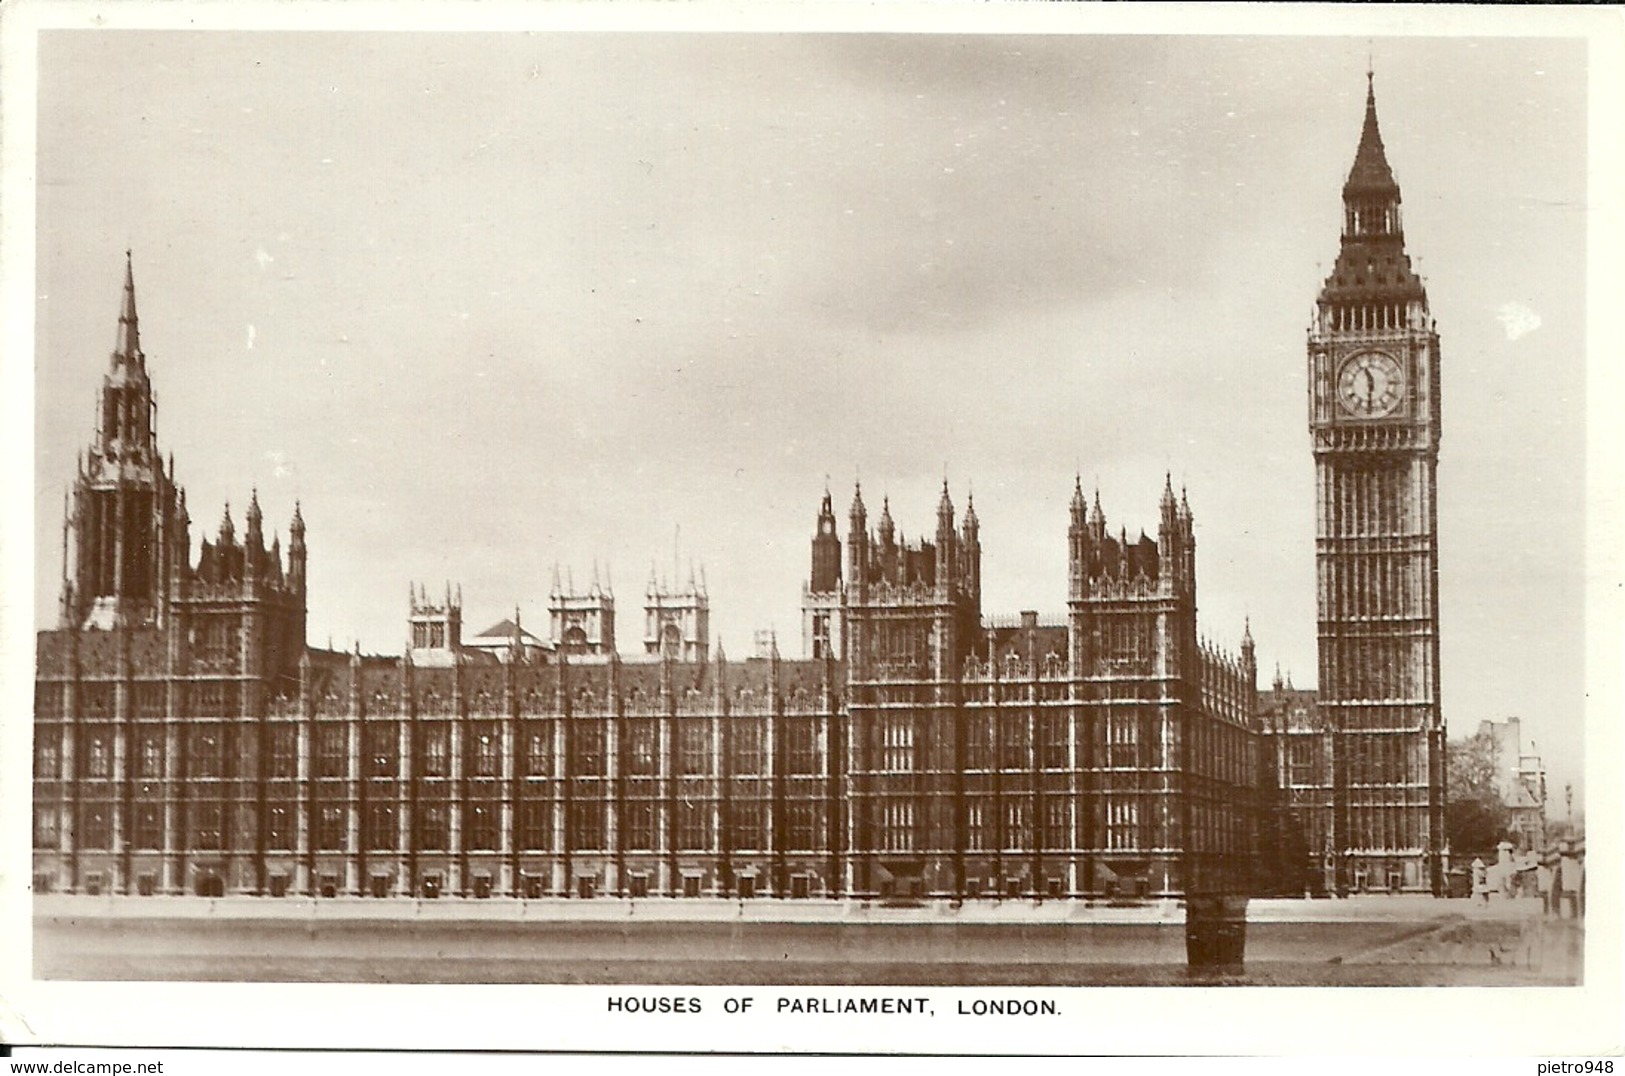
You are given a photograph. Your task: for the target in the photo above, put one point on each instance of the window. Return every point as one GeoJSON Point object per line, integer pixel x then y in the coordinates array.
{"type": "Point", "coordinates": [382, 749]}
{"type": "Point", "coordinates": [801, 751]}
{"type": "Point", "coordinates": [587, 825]}
{"type": "Point", "coordinates": [279, 827]}
{"type": "Point", "coordinates": [206, 825]}
{"type": "Point", "coordinates": [587, 748]}
{"type": "Point", "coordinates": [538, 749]}
{"type": "Point", "coordinates": [979, 742]}
{"type": "Point", "coordinates": [640, 826]}
{"type": "Point", "coordinates": [482, 827]}
{"type": "Point", "coordinates": [150, 700]}
{"type": "Point", "coordinates": [207, 752]}
{"type": "Point", "coordinates": [821, 646]}
{"type": "Point", "coordinates": [431, 827]}
{"type": "Point", "coordinates": [746, 824]}
{"type": "Point", "coordinates": [1054, 754]}
{"type": "Point", "coordinates": [897, 743]}
{"type": "Point", "coordinates": [330, 828]}
{"type": "Point", "coordinates": [152, 755]}
{"type": "Point", "coordinates": [212, 699]}
{"type": "Point", "coordinates": [95, 826]}
{"type": "Point", "coordinates": [437, 636]}
{"type": "Point", "coordinates": [149, 826]}
{"type": "Point", "coordinates": [284, 760]}
{"type": "Point", "coordinates": [1015, 752]}
{"type": "Point", "coordinates": [695, 738]}
{"type": "Point", "coordinates": [485, 750]}
{"type": "Point", "coordinates": [381, 833]}
{"type": "Point", "coordinates": [746, 747]}
{"type": "Point", "coordinates": [896, 825]}
{"type": "Point", "coordinates": [47, 755]}
{"type": "Point", "coordinates": [420, 636]}
{"type": "Point", "coordinates": [213, 640]}
{"type": "Point", "coordinates": [47, 827]}
{"type": "Point", "coordinates": [536, 827]}
{"type": "Point", "coordinates": [436, 749]}
{"type": "Point", "coordinates": [99, 754]}
{"type": "Point", "coordinates": [1018, 833]}
{"type": "Point", "coordinates": [693, 825]}
{"type": "Point", "coordinates": [976, 831]}
{"type": "Point", "coordinates": [331, 750]}
{"type": "Point", "coordinates": [1122, 819]}
{"type": "Point", "coordinates": [801, 834]}
{"type": "Point", "coordinates": [1122, 731]}
{"type": "Point", "coordinates": [1057, 822]}
{"type": "Point", "coordinates": [96, 699]}
{"type": "Point", "coordinates": [47, 701]}
{"type": "Point", "coordinates": [641, 760]}
{"type": "Point", "coordinates": [1301, 759]}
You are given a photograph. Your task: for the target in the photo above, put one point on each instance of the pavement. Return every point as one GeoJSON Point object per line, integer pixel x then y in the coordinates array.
{"type": "Point", "coordinates": [1366, 940]}
{"type": "Point", "coordinates": [1362, 908]}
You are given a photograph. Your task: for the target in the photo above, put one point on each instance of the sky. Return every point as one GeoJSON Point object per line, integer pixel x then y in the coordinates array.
{"type": "Point", "coordinates": [487, 303]}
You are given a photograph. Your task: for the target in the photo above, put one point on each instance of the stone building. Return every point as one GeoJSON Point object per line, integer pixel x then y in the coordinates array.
{"type": "Point", "coordinates": [188, 740]}
{"type": "Point", "coordinates": [1521, 781]}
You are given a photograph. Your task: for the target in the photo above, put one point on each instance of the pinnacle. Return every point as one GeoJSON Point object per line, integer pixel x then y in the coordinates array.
{"type": "Point", "coordinates": [129, 329]}
{"type": "Point", "coordinates": [1370, 172]}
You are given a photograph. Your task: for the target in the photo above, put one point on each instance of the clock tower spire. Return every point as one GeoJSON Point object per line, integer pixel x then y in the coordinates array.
{"type": "Point", "coordinates": [1374, 417]}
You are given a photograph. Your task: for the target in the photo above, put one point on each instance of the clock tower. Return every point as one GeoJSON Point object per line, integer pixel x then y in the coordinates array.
{"type": "Point", "coordinates": [1374, 416]}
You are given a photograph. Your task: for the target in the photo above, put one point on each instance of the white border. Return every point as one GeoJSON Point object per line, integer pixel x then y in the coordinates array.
{"type": "Point", "coordinates": [1277, 1021]}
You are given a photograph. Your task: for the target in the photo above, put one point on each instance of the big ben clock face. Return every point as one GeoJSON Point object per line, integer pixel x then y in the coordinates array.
{"type": "Point", "coordinates": [1370, 384]}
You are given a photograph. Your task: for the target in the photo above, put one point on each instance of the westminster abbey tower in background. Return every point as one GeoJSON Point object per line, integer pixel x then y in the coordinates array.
{"type": "Point", "coordinates": [187, 739]}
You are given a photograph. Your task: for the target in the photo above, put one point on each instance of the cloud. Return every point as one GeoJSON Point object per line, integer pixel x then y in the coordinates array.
{"type": "Point", "coordinates": [1518, 320]}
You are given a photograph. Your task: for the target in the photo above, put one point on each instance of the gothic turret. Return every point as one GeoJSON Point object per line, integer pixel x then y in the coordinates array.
{"type": "Point", "coordinates": [947, 551]}
{"type": "Point", "coordinates": [254, 535]}
{"type": "Point", "coordinates": [857, 540]}
{"type": "Point", "coordinates": [826, 551]}
{"type": "Point", "coordinates": [121, 517]}
{"type": "Point", "coordinates": [296, 550]}
{"type": "Point", "coordinates": [970, 549]}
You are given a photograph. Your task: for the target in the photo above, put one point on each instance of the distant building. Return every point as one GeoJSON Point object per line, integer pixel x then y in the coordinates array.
{"type": "Point", "coordinates": [581, 623]}
{"type": "Point", "coordinates": [507, 640]}
{"type": "Point", "coordinates": [677, 618]}
{"type": "Point", "coordinates": [1520, 780]}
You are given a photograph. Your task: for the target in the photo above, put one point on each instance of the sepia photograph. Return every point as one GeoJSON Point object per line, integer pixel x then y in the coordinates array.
{"type": "Point", "coordinates": [908, 519]}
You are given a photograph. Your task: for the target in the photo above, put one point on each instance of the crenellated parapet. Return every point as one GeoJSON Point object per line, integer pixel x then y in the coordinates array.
{"type": "Point", "coordinates": [1106, 566]}
{"type": "Point", "coordinates": [884, 565]}
{"type": "Point", "coordinates": [909, 610]}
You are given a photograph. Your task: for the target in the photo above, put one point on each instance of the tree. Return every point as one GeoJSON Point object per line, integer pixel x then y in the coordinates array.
{"type": "Point", "coordinates": [1476, 817]}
